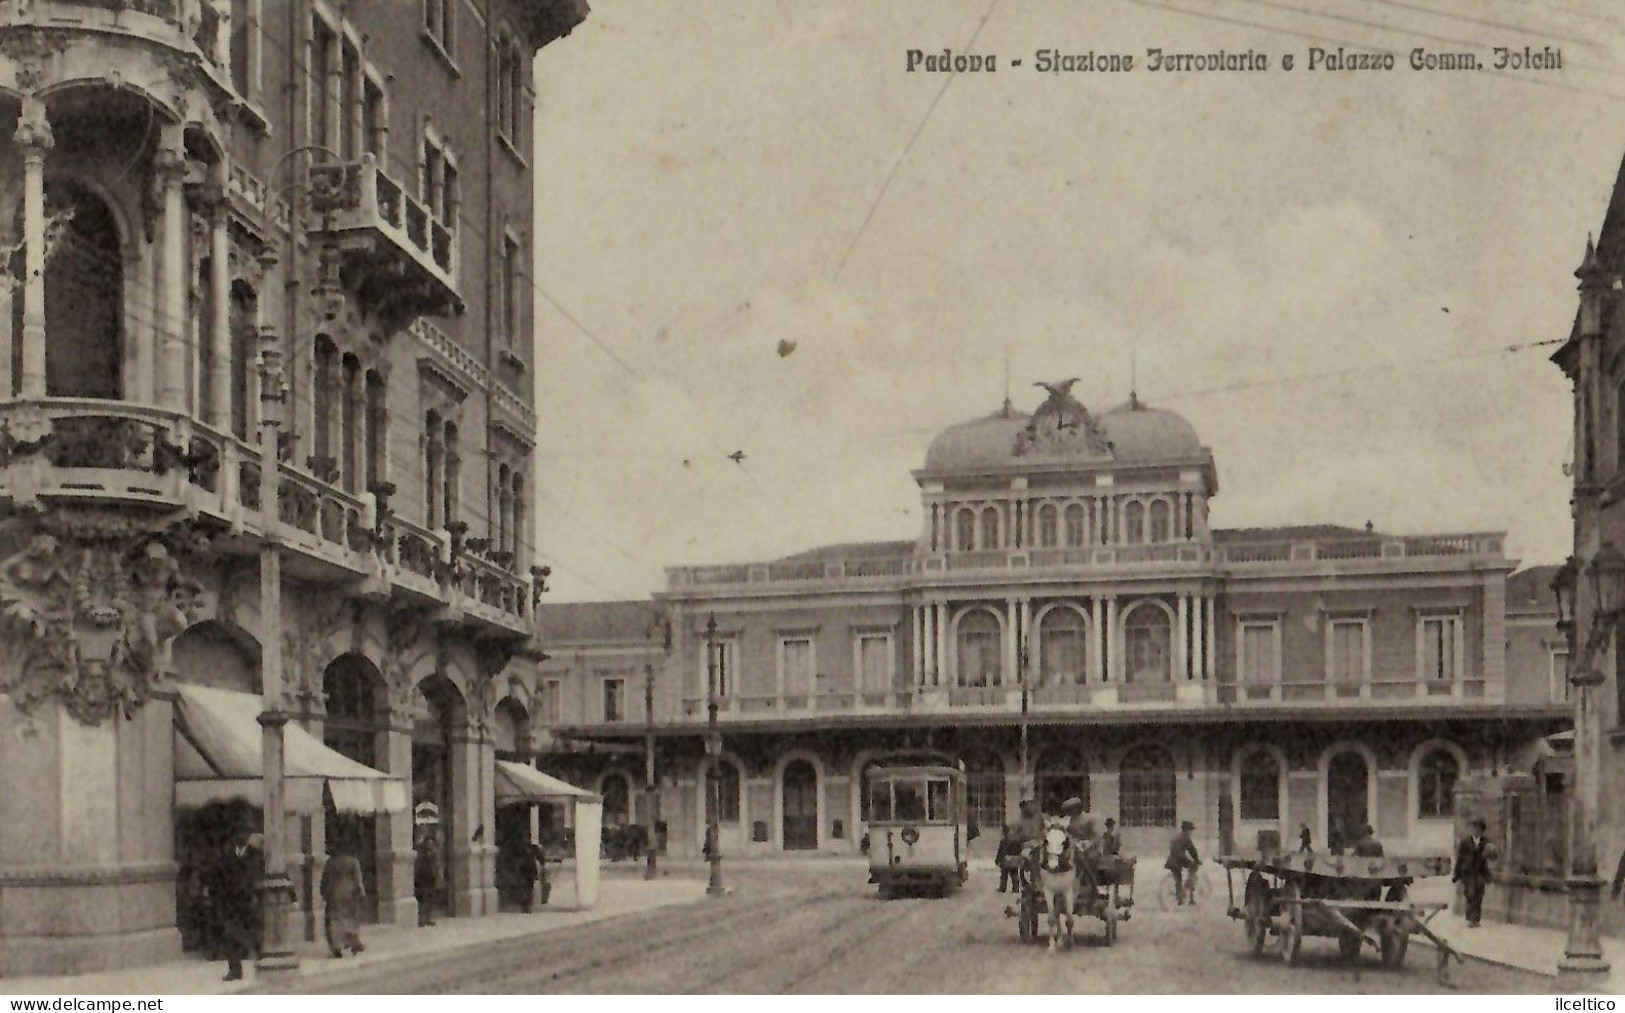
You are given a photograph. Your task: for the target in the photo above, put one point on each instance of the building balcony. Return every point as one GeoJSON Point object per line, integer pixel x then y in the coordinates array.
{"type": "Point", "coordinates": [395, 252]}
{"type": "Point", "coordinates": [84, 451]}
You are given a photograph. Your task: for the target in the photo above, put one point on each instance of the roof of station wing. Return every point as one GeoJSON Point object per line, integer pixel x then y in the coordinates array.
{"type": "Point", "coordinates": [597, 622]}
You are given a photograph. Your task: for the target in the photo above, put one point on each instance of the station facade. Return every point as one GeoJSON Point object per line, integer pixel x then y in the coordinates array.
{"type": "Point", "coordinates": [1068, 591]}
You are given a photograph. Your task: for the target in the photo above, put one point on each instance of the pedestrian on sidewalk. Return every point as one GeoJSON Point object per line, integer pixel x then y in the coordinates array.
{"type": "Point", "coordinates": [1003, 857]}
{"type": "Point", "coordinates": [235, 875]}
{"type": "Point", "coordinates": [426, 876]}
{"type": "Point", "coordinates": [1472, 870]}
{"type": "Point", "coordinates": [343, 891]}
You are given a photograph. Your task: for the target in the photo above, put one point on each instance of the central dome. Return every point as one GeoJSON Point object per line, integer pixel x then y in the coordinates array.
{"type": "Point", "coordinates": [1133, 431]}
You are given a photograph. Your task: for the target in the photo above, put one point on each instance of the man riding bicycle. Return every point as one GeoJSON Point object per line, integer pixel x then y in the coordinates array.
{"type": "Point", "coordinates": [1182, 863]}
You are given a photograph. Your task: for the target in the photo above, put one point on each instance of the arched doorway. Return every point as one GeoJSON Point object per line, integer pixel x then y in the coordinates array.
{"type": "Point", "coordinates": [800, 815]}
{"type": "Point", "coordinates": [353, 690]}
{"type": "Point", "coordinates": [1061, 774]}
{"type": "Point", "coordinates": [84, 294]}
{"type": "Point", "coordinates": [438, 709]}
{"type": "Point", "coordinates": [1348, 782]}
{"type": "Point", "coordinates": [1147, 787]}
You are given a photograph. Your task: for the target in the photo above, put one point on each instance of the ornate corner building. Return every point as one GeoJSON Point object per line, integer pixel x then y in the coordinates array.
{"type": "Point", "coordinates": [1069, 624]}
{"type": "Point", "coordinates": [196, 191]}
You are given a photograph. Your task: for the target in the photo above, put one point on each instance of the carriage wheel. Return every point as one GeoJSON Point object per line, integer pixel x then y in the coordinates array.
{"type": "Point", "coordinates": [1395, 941]}
{"type": "Point", "coordinates": [1257, 913]}
{"type": "Point", "coordinates": [1291, 924]}
{"type": "Point", "coordinates": [1348, 944]}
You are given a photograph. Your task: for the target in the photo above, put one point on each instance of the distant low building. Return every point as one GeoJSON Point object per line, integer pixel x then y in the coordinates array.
{"type": "Point", "coordinates": [1066, 578]}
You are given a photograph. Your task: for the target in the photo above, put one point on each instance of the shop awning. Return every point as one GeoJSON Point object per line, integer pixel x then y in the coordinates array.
{"type": "Point", "coordinates": [515, 782]}
{"type": "Point", "coordinates": [218, 759]}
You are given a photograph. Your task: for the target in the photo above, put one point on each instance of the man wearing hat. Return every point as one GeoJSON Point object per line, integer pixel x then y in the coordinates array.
{"type": "Point", "coordinates": [1472, 869]}
{"type": "Point", "coordinates": [1110, 842]}
{"type": "Point", "coordinates": [1182, 862]}
{"type": "Point", "coordinates": [1078, 824]}
{"type": "Point", "coordinates": [1030, 826]}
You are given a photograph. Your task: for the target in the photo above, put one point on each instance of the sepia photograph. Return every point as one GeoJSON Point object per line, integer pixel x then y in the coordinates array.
{"type": "Point", "coordinates": [807, 497]}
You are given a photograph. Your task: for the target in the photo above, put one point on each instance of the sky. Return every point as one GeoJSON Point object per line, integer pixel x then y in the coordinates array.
{"type": "Point", "coordinates": [1322, 271]}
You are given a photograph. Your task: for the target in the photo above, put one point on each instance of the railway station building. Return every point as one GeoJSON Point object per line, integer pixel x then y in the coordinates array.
{"type": "Point", "coordinates": [1067, 589]}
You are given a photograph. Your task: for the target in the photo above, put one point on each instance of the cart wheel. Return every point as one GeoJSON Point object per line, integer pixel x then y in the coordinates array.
{"type": "Point", "coordinates": [1257, 917]}
{"type": "Point", "coordinates": [1348, 944]}
{"type": "Point", "coordinates": [1111, 926]}
{"type": "Point", "coordinates": [1394, 944]}
{"type": "Point", "coordinates": [1291, 924]}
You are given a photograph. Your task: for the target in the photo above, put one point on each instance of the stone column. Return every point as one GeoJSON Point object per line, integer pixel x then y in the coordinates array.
{"type": "Point", "coordinates": [1182, 667]}
{"type": "Point", "coordinates": [170, 166]}
{"type": "Point", "coordinates": [1010, 652]}
{"type": "Point", "coordinates": [940, 674]}
{"type": "Point", "coordinates": [397, 897]}
{"type": "Point", "coordinates": [219, 337]}
{"type": "Point", "coordinates": [33, 137]}
{"type": "Point", "coordinates": [472, 878]}
{"type": "Point", "coordinates": [1199, 624]}
{"type": "Point", "coordinates": [1097, 660]}
{"type": "Point", "coordinates": [1025, 632]}
{"type": "Point", "coordinates": [1113, 667]}
{"type": "Point", "coordinates": [1212, 658]}
{"type": "Point", "coordinates": [919, 645]}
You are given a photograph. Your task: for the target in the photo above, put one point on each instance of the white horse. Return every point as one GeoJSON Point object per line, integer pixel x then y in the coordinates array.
{"type": "Point", "coordinates": [1059, 862]}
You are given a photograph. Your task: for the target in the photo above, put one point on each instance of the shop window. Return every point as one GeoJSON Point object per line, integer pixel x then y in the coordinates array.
{"type": "Point", "coordinates": [1436, 779]}
{"type": "Point", "coordinates": [1146, 787]}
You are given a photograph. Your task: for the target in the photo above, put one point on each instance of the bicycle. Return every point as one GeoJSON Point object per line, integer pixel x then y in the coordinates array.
{"type": "Point", "coordinates": [1197, 890]}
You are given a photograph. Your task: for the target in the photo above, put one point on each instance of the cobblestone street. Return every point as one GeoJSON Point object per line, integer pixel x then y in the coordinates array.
{"type": "Point", "coordinates": [823, 930]}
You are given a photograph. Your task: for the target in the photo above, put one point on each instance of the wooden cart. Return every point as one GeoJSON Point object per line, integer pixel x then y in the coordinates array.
{"type": "Point", "coordinates": [1111, 899]}
{"type": "Point", "coordinates": [1355, 900]}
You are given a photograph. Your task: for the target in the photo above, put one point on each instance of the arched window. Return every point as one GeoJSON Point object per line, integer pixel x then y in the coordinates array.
{"type": "Point", "coordinates": [1047, 523]}
{"type": "Point", "coordinates": [965, 529]}
{"type": "Point", "coordinates": [990, 529]}
{"type": "Point", "coordinates": [1436, 784]}
{"type": "Point", "coordinates": [454, 462]}
{"type": "Point", "coordinates": [1159, 521]}
{"type": "Point", "coordinates": [1134, 523]}
{"type": "Point", "coordinates": [351, 424]}
{"type": "Point", "coordinates": [1146, 787]}
{"type": "Point", "coordinates": [377, 428]}
{"type": "Point", "coordinates": [1063, 647]}
{"type": "Point", "coordinates": [516, 532]}
{"type": "Point", "coordinates": [499, 516]}
{"type": "Point", "coordinates": [1061, 774]}
{"type": "Point", "coordinates": [978, 648]}
{"type": "Point", "coordinates": [1075, 535]}
{"type": "Point", "coordinates": [433, 463]}
{"type": "Point", "coordinates": [1146, 639]}
{"type": "Point", "coordinates": [84, 295]}
{"type": "Point", "coordinates": [324, 388]}
{"type": "Point", "coordinates": [1260, 786]}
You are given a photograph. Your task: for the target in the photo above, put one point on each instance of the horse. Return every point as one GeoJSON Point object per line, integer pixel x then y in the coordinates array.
{"type": "Point", "coordinates": [1059, 863]}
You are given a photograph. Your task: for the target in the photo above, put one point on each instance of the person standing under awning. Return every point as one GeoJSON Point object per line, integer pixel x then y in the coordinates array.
{"type": "Point", "coordinates": [343, 891]}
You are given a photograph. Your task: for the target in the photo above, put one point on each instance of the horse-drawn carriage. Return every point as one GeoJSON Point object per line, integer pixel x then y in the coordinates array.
{"type": "Point", "coordinates": [1065, 878]}
{"type": "Point", "coordinates": [1357, 900]}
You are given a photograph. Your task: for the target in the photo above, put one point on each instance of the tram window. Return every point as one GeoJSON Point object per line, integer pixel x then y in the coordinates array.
{"type": "Point", "coordinates": [936, 799]}
{"type": "Point", "coordinates": [910, 800]}
{"type": "Point", "coordinates": [880, 802]}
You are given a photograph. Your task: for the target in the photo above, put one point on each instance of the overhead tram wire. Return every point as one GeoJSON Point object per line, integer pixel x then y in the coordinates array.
{"type": "Point", "coordinates": [1521, 30]}
{"type": "Point", "coordinates": [902, 157]}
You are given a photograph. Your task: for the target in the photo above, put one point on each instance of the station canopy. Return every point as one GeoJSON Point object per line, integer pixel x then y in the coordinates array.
{"type": "Point", "coordinates": [218, 759]}
{"type": "Point", "coordinates": [518, 783]}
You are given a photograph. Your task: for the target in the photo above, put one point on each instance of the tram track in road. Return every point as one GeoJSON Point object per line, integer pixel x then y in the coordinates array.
{"type": "Point", "coordinates": [551, 959]}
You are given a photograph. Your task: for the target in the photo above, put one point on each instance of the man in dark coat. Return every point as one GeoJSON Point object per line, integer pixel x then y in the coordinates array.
{"type": "Point", "coordinates": [426, 875]}
{"type": "Point", "coordinates": [1368, 846]}
{"type": "Point", "coordinates": [1182, 862]}
{"type": "Point", "coordinates": [1472, 870]}
{"type": "Point", "coordinates": [234, 880]}
{"type": "Point", "coordinates": [1009, 847]}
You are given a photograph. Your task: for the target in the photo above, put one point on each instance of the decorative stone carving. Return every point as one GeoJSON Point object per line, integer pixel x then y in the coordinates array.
{"type": "Point", "coordinates": [404, 628]}
{"type": "Point", "coordinates": [92, 604]}
{"type": "Point", "coordinates": [1061, 425]}
{"type": "Point", "coordinates": [32, 49]}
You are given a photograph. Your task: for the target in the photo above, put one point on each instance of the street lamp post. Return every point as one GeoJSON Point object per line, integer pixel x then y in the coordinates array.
{"type": "Point", "coordinates": [713, 750]}
{"type": "Point", "coordinates": [1583, 964]}
{"type": "Point", "coordinates": [1021, 674]}
{"type": "Point", "coordinates": [276, 953]}
{"type": "Point", "coordinates": [651, 794]}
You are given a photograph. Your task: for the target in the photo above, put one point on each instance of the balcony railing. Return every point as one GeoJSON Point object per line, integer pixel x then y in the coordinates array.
{"type": "Point", "coordinates": [79, 449]}
{"type": "Point", "coordinates": [397, 251]}
{"type": "Point", "coordinates": [1343, 694]}
{"type": "Point", "coordinates": [1175, 556]}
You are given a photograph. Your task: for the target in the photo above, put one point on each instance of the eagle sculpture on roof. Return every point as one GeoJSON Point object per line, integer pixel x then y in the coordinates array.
{"type": "Point", "coordinates": [1061, 425]}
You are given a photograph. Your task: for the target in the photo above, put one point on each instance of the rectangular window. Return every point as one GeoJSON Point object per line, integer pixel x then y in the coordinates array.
{"type": "Point", "coordinates": [509, 289]}
{"type": "Point", "coordinates": [614, 700]}
{"type": "Point", "coordinates": [450, 195]}
{"type": "Point", "coordinates": [322, 43]}
{"type": "Point", "coordinates": [1258, 653]}
{"type": "Point", "coordinates": [242, 34]}
{"type": "Point", "coordinates": [938, 801]}
{"type": "Point", "coordinates": [1557, 661]}
{"type": "Point", "coordinates": [796, 666]}
{"type": "Point", "coordinates": [727, 659]}
{"type": "Point", "coordinates": [875, 663]}
{"type": "Point", "coordinates": [1347, 658]}
{"type": "Point", "coordinates": [350, 103]}
{"type": "Point", "coordinates": [880, 802]}
{"type": "Point", "coordinates": [437, 21]}
{"type": "Point", "coordinates": [430, 175]}
{"type": "Point", "coordinates": [908, 800]}
{"type": "Point", "coordinates": [374, 123]}
{"type": "Point", "coordinates": [1439, 648]}
{"type": "Point", "coordinates": [549, 706]}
